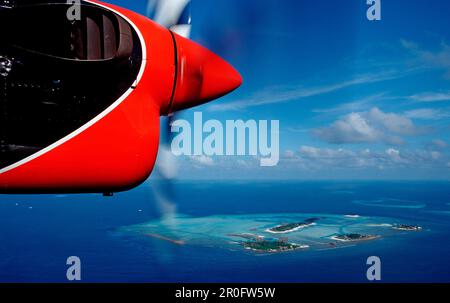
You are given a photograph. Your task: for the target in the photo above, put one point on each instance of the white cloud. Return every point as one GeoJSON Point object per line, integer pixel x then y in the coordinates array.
{"type": "Point", "coordinates": [431, 97]}
{"type": "Point", "coordinates": [393, 152]}
{"type": "Point", "coordinates": [392, 122]}
{"type": "Point", "coordinates": [316, 158]}
{"type": "Point", "coordinates": [395, 156]}
{"type": "Point", "coordinates": [283, 94]}
{"type": "Point", "coordinates": [325, 153]}
{"type": "Point", "coordinates": [439, 59]}
{"type": "Point", "coordinates": [427, 114]}
{"type": "Point", "coordinates": [370, 126]}
{"type": "Point", "coordinates": [323, 158]}
{"type": "Point", "coordinates": [409, 44]}
{"type": "Point", "coordinates": [353, 128]}
{"type": "Point", "coordinates": [435, 155]}
{"type": "Point", "coordinates": [438, 143]}
{"type": "Point", "coordinates": [358, 105]}
{"type": "Point", "coordinates": [202, 160]}
{"type": "Point", "coordinates": [289, 154]}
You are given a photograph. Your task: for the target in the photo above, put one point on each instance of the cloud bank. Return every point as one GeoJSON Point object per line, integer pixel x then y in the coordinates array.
{"type": "Point", "coordinates": [368, 127]}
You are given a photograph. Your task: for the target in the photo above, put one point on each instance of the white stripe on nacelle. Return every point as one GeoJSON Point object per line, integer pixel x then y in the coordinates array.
{"type": "Point", "coordinates": [102, 114]}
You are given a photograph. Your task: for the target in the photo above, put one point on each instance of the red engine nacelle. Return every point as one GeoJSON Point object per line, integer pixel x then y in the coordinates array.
{"type": "Point", "coordinates": [116, 149]}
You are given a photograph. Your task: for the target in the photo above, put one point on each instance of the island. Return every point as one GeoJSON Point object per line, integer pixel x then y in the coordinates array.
{"type": "Point", "coordinates": [247, 236]}
{"type": "Point", "coordinates": [276, 233]}
{"type": "Point", "coordinates": [272, 246]}
{"type": "Point", "coordinates": [291, 227]}
{"type": "Point", "coordinates": [406, 227]}
{"type": "Point", "coordinates": [353, 237]}
{"type": "Point", "coordinates": [352, 216]}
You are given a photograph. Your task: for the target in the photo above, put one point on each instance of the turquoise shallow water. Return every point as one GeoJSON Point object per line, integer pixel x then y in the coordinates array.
{"type": "Point", "coordinates": [231, 231]}
{"type": "Point", "coordinates": [38, 233]}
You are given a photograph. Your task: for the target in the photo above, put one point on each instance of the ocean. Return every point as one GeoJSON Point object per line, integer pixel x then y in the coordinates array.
{"type": "Point", "coordinates": [38, 233]}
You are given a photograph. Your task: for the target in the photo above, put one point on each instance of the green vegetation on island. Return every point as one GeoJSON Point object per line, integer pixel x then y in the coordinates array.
{"type": "Point", "coordinates": [276, 233]}
{"type": "Point", "coordinates": [279, 245]}
{"type": "Point", "coordinates": [290, 227]}
{"type": "Point", "coordinates": [353, 237]}
{"type": "Point", "coordinates": [407, 227]}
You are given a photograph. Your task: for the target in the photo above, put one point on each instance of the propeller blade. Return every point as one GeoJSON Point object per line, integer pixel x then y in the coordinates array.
{"type": "Point", "coordinates": [173, 14]}
{"type": "Point", "coordinates": [176, 16]}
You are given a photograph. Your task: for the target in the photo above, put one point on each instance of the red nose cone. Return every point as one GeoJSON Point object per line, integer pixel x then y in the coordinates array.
{"type": "Point", "coordinates": [219, 77]}
{"type": "Point", "coordinates": [202, 76]}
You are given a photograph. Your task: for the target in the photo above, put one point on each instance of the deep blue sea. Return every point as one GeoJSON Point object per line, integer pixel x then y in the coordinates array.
{"type": "Point", "coordinates": [38, 234]}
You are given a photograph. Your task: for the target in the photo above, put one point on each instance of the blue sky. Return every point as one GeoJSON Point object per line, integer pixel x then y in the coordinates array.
{"type": "Point", "coordinates": [355, 99]}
